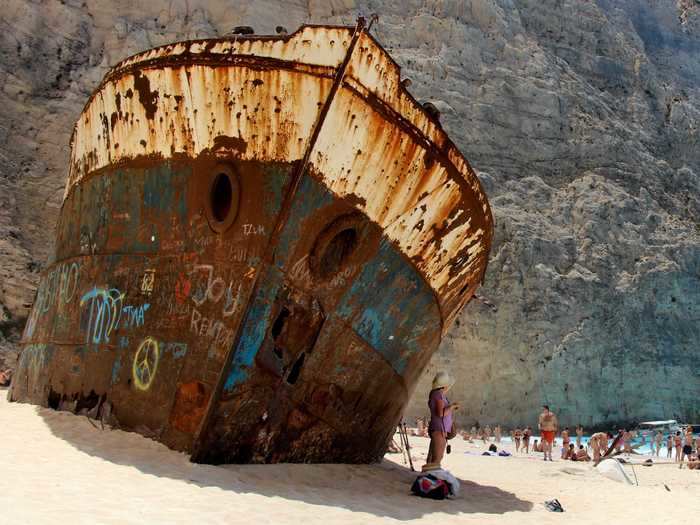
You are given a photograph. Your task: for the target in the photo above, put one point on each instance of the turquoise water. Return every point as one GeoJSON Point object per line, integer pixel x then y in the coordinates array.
{"type": "Point", "coordinates": [636, 443]}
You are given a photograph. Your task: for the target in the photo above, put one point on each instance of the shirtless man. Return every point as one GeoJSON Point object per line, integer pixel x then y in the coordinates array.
{"type": "Point", "coordinates": [669, 445]}
{"type": "Point", "coordinates": [579, 435]}
{"type": "Point", "coordinates": [548, 426]}
{"type": "Point", "coordinates": [565, 444]}
{"type": "Point", "coordinates": [599, 444]}
{"type": "Point", "coordinates": [497, 434]}
{"type": "Point", "coordinates": [687, 444]}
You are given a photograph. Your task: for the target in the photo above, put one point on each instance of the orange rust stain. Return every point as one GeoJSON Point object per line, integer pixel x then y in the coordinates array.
{"type": "Point", "coordinates": [258, 98]}
{"type": "Point", "coordinates": [190, 403]}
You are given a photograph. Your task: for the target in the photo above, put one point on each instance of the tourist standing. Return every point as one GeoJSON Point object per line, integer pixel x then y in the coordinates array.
{"type": "Point", "coordinates": [566, 451]}
{"type": "Point", "coordinates": [678, 445]}
{"type": "Point", "coordinates": [659, 438]}
{"type": "Point", "coordinates": [527, 433]}
{"type": "Point", "coordinates": [579, 435]}
{"type": "Point", "coordinates": [440, 419]}
{"type": "Point", "coordinates": [548, 426]}
{"type": "Point", "coordinates": [517, 436]}
{"type": "Point", "coordinates": [497, 433]}
{"type": "Point", "coordinates": [669, 445]}
{"type": "Point", "coordinates": [687, 444]}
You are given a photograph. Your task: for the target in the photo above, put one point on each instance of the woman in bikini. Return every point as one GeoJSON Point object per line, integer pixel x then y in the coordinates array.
{"type": "Point", "coordinates": [526, 439]}
{"type": "Point", "coordinates": [517, 436]}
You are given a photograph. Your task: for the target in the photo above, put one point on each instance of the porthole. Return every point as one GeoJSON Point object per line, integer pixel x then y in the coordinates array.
{"type": "Point", "coordinates": [336, 245]}
{"type": "Point", "coordinates": [222, 198]}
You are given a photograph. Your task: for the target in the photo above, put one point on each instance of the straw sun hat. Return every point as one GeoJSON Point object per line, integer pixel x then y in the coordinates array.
{"type": "Point", "coordinates": [442, 380]}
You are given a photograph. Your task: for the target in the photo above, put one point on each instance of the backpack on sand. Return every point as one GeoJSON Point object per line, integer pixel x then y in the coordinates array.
{"type": "Point", "coordinates": [428, 486]}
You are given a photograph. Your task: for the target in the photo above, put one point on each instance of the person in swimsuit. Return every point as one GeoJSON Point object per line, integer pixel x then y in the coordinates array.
{"type": "Point", "coordinates": [627, 442]}
{"type": "Point", "coordinates": [497, 434]}
{"type": "Point", "coordinates": [620, 442]}
{"type": "Point", "coordinates": [687, 444]}
{"type": "Point", "coordinates": [536, 446]}
{"type": "Point", "coordinates": [669, 445]}
{"type": "Point", "coordinates": [569, 452]}
{"type": "Point", "coordinates": [565, 450]}
{"type": "Point", "coordinates": [581, 454]}
{"type": "Point", "coordinates": [658, 438]}
{"type": "Point", "coordinates": [527, 433]}
{"type": "Point", "coordinates": [441, 412]}
{"type": "Point", "coordinates": [517, 436]}
{"type": "Point", "coordinates": [548, 425]}
{"type": "Point", "coordinates": [677, 444]}
{"type": "Point", "coordinates": [579, 435]}
{"type": "Point", "coordinates": [595, 443]}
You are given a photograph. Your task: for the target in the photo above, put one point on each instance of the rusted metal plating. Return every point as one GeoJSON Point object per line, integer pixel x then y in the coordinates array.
{"type": "Point", "coordinates": [261, 243]}
{"type": "Point", "coordinates": [260, 97]}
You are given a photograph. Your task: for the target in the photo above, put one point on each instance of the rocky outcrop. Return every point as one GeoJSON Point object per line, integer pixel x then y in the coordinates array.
{"type": "Point", "coordinates": [580, 115]}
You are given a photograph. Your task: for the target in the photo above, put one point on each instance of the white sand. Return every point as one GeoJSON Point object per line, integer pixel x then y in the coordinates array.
{"type": "Point", "coordinates": [58, 468]}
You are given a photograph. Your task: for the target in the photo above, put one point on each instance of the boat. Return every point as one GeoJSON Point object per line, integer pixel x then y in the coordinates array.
{"type": "Point", "coordinates": [665, 426]}
{"type": "Point", "coordinates": [262, 241]}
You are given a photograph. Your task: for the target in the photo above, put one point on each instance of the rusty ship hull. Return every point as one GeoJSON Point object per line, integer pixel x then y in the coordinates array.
{"type": "Point", "coordinates": [262, 242]}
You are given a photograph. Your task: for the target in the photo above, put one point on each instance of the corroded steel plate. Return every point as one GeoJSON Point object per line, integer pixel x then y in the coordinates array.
{"type": "Point", "coordinates": [262, 242]}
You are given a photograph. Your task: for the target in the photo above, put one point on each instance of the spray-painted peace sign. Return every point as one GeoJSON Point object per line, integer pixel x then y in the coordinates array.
{"type": "Point", "coordinates": [146, 363]}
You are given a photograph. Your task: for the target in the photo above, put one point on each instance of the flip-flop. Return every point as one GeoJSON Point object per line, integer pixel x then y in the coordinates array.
{"type": "Point", "coordinates": [553, 506]}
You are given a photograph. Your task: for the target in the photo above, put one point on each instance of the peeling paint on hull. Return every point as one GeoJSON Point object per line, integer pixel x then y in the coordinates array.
{"type": "Point", "coordinates": [261, 244]}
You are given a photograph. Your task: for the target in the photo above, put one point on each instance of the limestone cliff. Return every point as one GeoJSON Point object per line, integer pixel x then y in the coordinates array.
{"type": "Point", "coordinates": [581, 116]}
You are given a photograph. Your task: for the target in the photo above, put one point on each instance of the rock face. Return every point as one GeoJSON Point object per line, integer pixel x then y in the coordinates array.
{"type": "Point", "coordinates": [582, 117]}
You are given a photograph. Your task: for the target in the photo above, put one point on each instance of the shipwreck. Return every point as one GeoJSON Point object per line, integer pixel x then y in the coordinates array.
{"type": "Point", "coordinates": [262, 241]}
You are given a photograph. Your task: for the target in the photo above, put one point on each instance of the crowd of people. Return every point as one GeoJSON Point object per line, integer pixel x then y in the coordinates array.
{"type": "Point", "coordinates": [571, 445]}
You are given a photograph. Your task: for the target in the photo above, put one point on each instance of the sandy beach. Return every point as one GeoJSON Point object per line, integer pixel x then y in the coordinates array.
{"type": "Point", "coordinates": [58, 467]}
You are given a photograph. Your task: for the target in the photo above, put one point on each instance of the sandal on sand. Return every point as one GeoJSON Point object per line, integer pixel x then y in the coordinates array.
{"type": "Point", "coordinates": [553, 506]}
